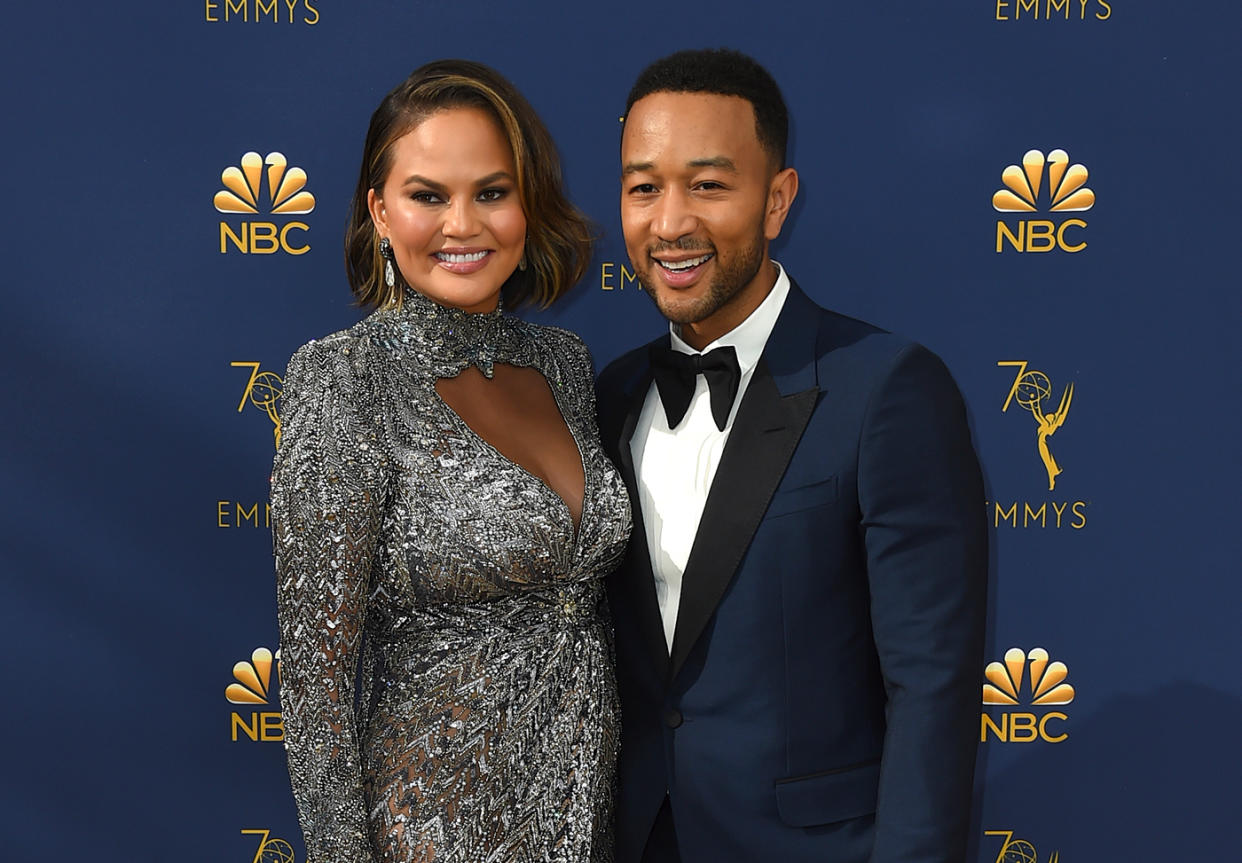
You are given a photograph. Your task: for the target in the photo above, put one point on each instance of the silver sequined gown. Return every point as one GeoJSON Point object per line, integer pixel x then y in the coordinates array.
{"type": "Point", "coordinates": [446, 675]}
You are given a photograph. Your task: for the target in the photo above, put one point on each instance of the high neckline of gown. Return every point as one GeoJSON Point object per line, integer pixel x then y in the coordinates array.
{"type": "Point", "coordinates": [454, 339]}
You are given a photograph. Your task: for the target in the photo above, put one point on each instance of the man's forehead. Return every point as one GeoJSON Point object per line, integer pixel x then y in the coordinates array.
{"type": "Point", "coordinates": [704, 127]}
{"type": "Point", "coordinates": [692, 106]}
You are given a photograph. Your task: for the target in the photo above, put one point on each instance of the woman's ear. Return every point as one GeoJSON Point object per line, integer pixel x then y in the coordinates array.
{"type": "Point", "coordinates": [379, 216]}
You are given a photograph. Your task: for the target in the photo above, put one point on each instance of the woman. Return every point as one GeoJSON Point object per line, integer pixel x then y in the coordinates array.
{"type": "Point", "coordinates": [443, 513]}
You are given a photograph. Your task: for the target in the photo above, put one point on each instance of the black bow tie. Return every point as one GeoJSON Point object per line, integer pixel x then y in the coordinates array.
{"type": "Point", "coordinates": [675, 375]}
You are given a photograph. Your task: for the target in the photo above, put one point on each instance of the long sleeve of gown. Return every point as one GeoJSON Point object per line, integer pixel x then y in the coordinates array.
{"type": "Point", "coordinates": [327, 502]}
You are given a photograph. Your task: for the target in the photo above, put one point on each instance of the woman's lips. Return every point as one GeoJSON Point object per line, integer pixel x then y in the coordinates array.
{"type": "Point", "coordinates": [463, 262]}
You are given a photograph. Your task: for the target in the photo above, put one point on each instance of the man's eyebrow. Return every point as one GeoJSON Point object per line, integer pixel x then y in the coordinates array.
{"type": "Point", "coordinates": [636, 167]}
{"type": "Point", "coordinates": [723, 162]}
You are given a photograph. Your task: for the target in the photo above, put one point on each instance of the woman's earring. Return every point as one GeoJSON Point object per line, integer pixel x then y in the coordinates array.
{"type": "Point", "coordinates": [385, 250]}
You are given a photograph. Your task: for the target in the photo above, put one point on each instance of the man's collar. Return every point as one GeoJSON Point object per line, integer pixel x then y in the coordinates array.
{"type": "Point", "coordinates": [749, 337]}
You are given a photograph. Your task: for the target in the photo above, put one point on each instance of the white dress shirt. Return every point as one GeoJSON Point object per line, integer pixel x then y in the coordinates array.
{"type": "Point", "coordinates": [675, 468]}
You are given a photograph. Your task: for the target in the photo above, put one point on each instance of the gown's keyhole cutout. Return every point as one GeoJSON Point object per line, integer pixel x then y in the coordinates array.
{"type": "Point", "coordinates": [516, 413]}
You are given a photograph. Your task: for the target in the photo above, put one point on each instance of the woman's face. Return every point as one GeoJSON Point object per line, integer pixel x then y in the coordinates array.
{"type": "Point", "coordinates": [450, 208]}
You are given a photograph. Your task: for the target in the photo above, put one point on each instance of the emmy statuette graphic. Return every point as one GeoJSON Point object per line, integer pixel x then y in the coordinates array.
{"type": "Point", "coordinates": [263, 390]}
{"type": "Point", "coordinates": [1030, 390]}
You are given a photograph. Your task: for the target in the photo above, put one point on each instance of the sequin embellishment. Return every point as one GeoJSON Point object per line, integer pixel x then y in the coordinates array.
{"type": "Point", "coordinates": [446, 677]}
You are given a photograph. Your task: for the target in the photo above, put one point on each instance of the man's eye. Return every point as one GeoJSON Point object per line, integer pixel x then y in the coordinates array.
{"type": "Point", "coordinates": [642, 189]}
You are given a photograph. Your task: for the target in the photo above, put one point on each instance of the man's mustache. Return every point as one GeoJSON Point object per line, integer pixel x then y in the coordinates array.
{"type": "Point", "coordinates": [684, 244]}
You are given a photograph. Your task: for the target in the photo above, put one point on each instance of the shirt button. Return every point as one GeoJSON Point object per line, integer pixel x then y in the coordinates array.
{"type": "Point", "coordinates": [672, 717]}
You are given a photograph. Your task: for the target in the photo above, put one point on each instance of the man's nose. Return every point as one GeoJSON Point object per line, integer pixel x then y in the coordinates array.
{"type": "Point", "coordinates": [674, 216]}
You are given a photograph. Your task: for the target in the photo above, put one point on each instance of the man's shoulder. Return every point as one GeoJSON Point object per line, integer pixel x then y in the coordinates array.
{"type": "Point", "coordinates": [855, 355]}
{"type": "Point", "coordinates": [629, 365]}
{"type": "Point", "coordinates": [838, 333]}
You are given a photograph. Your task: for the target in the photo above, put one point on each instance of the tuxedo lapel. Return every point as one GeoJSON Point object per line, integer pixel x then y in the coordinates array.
{"type": "Point", "coordinates": [635, 579]}
{"type": "Point", "coordinates": [769, 423]}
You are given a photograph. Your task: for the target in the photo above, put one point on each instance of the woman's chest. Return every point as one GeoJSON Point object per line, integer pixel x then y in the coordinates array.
{"type": "Point", "coordinates": [465, 522]}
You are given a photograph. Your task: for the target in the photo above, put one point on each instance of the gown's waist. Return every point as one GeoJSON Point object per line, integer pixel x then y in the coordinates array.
{"type": "Point", "coordinates": [571, 606]}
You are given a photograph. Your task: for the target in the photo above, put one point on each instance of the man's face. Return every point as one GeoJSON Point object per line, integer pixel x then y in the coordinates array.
{"type": "Point", "coordinates": [695, 208]}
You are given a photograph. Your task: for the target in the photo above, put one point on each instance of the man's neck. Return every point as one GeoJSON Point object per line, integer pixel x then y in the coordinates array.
{"type": "Point", "coordinates": [700, 334]}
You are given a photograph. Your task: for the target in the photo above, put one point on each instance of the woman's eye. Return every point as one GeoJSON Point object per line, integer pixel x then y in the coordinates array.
{"type": "Point", "coordinates": [425, 198]}
{"type": "Point", "coordinates": [491, 195]}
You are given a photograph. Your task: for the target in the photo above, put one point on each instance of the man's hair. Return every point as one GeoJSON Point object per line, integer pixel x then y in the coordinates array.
{"type": "Point", "coordinates": [723, 72]}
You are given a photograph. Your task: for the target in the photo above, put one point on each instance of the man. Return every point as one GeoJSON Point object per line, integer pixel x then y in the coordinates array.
{"type": "Point", "coordinates": [800, 615]}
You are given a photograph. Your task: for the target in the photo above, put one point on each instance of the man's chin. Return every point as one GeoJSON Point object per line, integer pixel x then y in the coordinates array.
{"type": "Point", "coordinates": [679, 309]}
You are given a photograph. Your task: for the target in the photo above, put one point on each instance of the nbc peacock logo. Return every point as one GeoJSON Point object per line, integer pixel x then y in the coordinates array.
{"type": "Point", "coordinates": [1067, 191]}
{"type": "Point", "coordinates": [262, 185]}
{"type": "Point", "coordinates": [252, 687]}
{"type": "Point", "coordinates": [1050, 183]}
{"type": "Point", "coordinates": [1025, 678]}
{"type": "Point", "coordinates": [1047, 679]}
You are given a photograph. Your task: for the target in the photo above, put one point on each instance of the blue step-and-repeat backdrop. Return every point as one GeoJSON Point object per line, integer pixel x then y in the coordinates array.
{"type": "Point", "coordinates": [1045, 193]}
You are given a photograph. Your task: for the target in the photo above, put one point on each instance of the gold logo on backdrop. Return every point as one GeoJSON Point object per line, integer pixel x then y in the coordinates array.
{"type": "Point", "coordinates": [1051, 183]}
{"type": "Point", "coordinates": [252, 685]}
{"type": "Point", "coordinates": [253, 679]}
{"type": "Point", "coordinates": [236, 514]}
{"type": "Point", "coordinates": [1046, 679]}
{"type": "Point", "coordinates": [256, 11]}
{"type": "Point", "coordinates": [1047, 10]}
{"type": "Point", "coordinates": [1018, 850]}
{"type": "Point", "coordinates": [263, 390]}
{"type": "Point", "coordinates": [1066, 187]}
{"type": "Point", "coordinates": [617, 277]}
{"type": "Point", "coordinates": [261, 186]}
{"type": "Point", "coordinates": [242, 192]}
{"type": "Point", "coordinates": [1025, 677]}
{"type": "Point", "coordinates": [1031, 388]}
{"type": "Point", "coordinates": [271, 850]}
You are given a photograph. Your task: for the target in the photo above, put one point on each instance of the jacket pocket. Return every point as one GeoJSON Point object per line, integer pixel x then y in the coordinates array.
{"type": "Point", "coordinates": [824, 798]}
{"type": "Point", "coordinates": [787, 501]}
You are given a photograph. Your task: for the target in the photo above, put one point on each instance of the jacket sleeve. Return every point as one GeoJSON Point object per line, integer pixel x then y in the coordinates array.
{"type": "Point", "coordinates": [924, 529]}
{"type": "Point", "coordinates": [327, 500]}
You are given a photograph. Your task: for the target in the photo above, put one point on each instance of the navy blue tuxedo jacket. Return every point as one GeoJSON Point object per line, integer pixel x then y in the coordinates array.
{"type": "Point", "coordinates": [821, 701]}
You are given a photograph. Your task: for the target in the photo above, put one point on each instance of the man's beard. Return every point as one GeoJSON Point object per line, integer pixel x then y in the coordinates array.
{"type": "Point", "coordinates": [731, 276]}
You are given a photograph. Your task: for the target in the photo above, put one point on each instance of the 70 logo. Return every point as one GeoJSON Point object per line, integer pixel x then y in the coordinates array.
{"type": "Point", "coordinates": [270, 850]}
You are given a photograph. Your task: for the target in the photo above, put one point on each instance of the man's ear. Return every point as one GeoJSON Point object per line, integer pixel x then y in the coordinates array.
{"type": "Point", "coordinates": [782, 190]}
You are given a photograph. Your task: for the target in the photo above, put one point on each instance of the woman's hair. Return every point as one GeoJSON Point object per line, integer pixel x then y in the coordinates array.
{"type": "Point", "coordinates": [559, 237]}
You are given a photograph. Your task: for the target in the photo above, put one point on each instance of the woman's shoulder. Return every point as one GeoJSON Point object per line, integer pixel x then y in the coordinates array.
{"type": "Point", "coordinates": [347, 359]}
{"type": "Point", "coordinates": [369, 336]}
{"type": "Point", "coordinates": [562, 342]}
